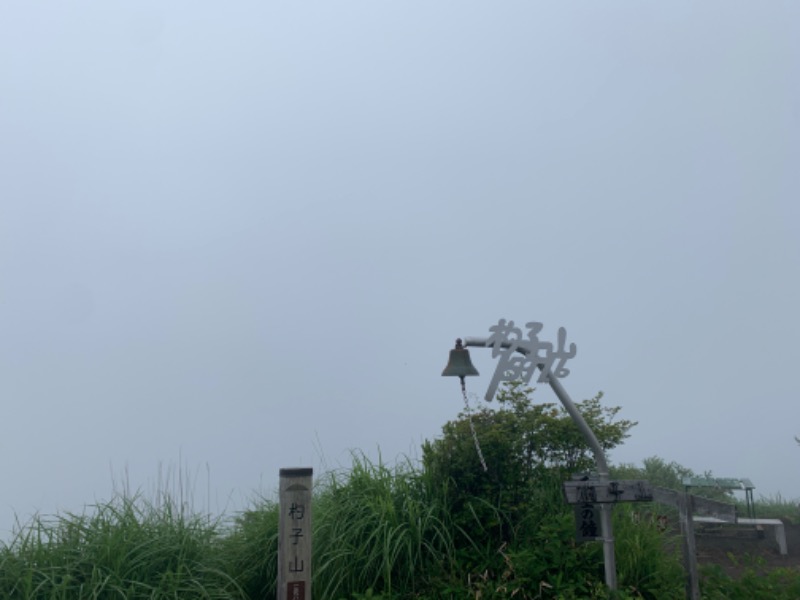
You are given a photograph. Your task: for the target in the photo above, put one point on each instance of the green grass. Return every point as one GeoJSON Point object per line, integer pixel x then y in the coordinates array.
{"type": "Point", "coordinates": [379, 528]}
{"type": "Point", "coordinates": [754, 583]}
{"type": "Point", "coordinates": [380, 532]}
{"type": "Point", "coordinates": [773, 507]}
{"type": "Point", "coordinates": [375, 527]}
{"type": "Point", "coordinates": [125, 549]}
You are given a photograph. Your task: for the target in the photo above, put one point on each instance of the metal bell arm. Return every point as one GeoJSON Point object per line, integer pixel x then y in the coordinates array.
{"type": "Point", "coordinates": [599, 457]}
{"type": "Point", "coordinates": [574, 413]}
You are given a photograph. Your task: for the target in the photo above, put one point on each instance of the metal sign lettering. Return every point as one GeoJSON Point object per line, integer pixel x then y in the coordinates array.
{"type": "Point", "coordinates": [519, 357]}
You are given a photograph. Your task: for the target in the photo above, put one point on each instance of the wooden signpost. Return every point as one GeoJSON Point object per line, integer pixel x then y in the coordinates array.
{"type": "Point", "coordinates": [686, 505]}
{"type": "Point", "coordinates": [587, 494]}
{"type": "Point", "coordinates": [294, 535]}
{"type": "Point", "coordinates": [609, 492]}
{"type": "Point", "coordinates": [587, 523]}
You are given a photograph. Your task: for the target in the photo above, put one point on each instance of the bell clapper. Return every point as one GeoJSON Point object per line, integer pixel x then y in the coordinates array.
{"type": "Point", "coordinates": [472, 425]}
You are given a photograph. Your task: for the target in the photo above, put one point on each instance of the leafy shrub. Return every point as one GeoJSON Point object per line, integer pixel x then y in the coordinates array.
{"type": "Point", "coordinates": [514, 532]}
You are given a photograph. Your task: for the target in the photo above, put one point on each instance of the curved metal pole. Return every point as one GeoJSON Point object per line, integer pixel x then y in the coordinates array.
{"type": "Point", "coordinates": [609, 560]}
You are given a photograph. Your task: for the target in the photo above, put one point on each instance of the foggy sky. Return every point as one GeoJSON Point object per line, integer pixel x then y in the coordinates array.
{"type": "Point", "coordinates": [238, 237]}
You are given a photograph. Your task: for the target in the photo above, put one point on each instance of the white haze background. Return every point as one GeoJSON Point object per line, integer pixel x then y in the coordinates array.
{"type": "Point", "coordinates": [242, 236]}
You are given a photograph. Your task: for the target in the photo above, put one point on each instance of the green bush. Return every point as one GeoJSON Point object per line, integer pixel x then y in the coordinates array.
{"type": "Point", "coordinates": [514, 532]}
{"type": "Point", "coordinates": [755, 583]}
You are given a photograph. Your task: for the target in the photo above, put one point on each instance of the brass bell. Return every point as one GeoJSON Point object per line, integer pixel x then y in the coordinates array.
{"type": "Point", "coordinates": [459, 364]}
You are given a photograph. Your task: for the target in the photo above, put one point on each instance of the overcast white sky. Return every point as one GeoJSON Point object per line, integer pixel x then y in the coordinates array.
{"type": "Point", "coordinates": [242, 236]}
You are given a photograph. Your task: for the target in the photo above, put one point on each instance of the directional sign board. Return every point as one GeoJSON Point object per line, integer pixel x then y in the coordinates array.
{"type": "Point", "coordinates": [593, 491]}
{"type": "Point", "coordinates": [587, 523]}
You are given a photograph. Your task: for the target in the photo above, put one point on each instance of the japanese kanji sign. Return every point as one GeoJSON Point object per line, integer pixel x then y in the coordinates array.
{"type": "Point", "coordinates": [588, 495]}
{"type": "Point", "coordinates": [587, 523]}
{"type": "Point", "coordinates": [609, 492]}
{"type": "Point", "coordinates": [294, 535]}
{"type": "Point", "coordinates": [520, 356]}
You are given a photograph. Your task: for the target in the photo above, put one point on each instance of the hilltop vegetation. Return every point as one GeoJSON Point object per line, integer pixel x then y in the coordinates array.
{"type": "Point", "coordinates": [441, 528]}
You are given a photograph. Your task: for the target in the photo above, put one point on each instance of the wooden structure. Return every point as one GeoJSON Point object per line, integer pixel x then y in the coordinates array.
{"type": "Point", "coordinates": [294, 535]}
{"type": "Point", "coordinates": [687, 505]}
{"type": "Point", "coordinates": [588, 494]}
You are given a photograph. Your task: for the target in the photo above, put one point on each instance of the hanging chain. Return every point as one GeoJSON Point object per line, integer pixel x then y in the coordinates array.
{"type": "Point", "coordinates": [472, 425]}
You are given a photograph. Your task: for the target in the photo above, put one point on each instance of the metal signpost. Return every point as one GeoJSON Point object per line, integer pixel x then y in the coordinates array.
{"type": "Point", "coordinates": [506, 340]}
{"type": "Point", "coordinates": [294, 535]}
